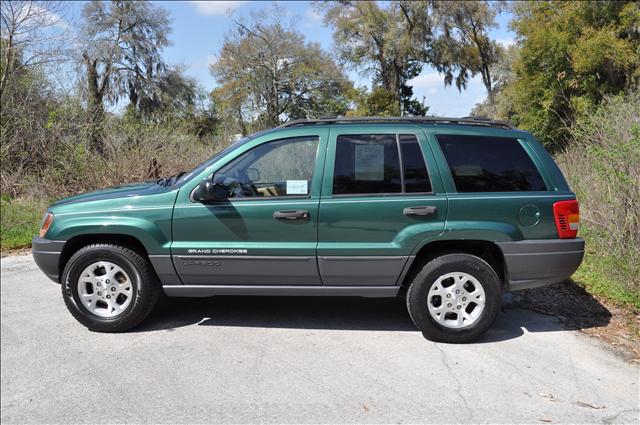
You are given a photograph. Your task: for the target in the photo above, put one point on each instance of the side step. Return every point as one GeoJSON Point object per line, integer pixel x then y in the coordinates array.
{"type": "Point", "coordinates": [327, 291]}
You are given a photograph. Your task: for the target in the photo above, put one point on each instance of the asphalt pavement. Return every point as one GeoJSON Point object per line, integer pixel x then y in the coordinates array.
{"type": "Point", "coordinates": [295, 360]}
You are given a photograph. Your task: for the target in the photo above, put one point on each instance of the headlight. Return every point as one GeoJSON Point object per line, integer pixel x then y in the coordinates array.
{"type": "Point", "coordinates": [47, 221]}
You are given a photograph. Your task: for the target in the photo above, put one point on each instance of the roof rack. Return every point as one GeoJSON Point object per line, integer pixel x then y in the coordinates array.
{"type": "Point", "coordinates": [477, 121]}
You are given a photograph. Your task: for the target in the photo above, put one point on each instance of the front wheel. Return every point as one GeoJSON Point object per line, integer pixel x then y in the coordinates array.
{"type": "Point", "coordinates": [454, 298]}
{"type": "Point", "coordinates": [109, 288]}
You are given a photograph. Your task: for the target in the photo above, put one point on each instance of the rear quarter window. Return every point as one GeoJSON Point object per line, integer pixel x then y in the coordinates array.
{"type": "Point", "coordinates": [489, 164]}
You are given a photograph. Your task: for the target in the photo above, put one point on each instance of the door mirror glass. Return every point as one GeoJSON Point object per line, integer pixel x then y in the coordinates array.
{"type": "Point", "coordinates": [208, 191]}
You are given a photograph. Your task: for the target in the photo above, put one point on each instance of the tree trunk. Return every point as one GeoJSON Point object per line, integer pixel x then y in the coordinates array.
{"type": "Point", "coordinates": [272, 107]}
{"type": "Point", "coordinates": [7, 67]}
{"type": "Point", "coordinates": [486, 79]}
{"type": "Point", "coordinates": [272, 113]}
{"type": "Point", "coordinates": [95, 108]}
{"type": "Point", "coordinates": [398, 71]}
{"type": "Point", "coordinates": [133, 96]}
{"type": "Point", "coordinates": [243, 126]}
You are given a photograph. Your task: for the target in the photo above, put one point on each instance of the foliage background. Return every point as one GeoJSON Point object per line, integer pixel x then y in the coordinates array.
{"type": "Point", "coordinates": [571, 78]}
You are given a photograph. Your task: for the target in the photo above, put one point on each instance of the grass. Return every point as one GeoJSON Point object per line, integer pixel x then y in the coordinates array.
{"type": "Point", "coordinates": [20, 221]}
{"type": "Point", "coordinates": [607, 274]}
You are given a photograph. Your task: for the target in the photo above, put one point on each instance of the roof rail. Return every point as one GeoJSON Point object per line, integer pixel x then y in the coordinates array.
{"type": "Point", "coordinates": [478, 121]}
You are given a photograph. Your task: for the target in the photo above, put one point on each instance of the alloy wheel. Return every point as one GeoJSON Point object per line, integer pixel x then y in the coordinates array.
{"type": "Point", "coordinates": [456, 300]}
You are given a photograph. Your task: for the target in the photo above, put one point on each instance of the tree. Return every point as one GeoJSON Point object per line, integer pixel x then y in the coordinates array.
{"type": "Point", "coordinates": [268, 73]}
{"type": "Point", "coordinates": [31, 35]}
{"type": "Point", "coordinates": [178, 98]}
{"type": "Point", "coordinates": [121, 54]}
{"type": "Point", "coordinates": [380, 102]}
{"type": "Point", "coordinates": [387, 43]}
{"type": "Point", "coordinates": [174, 94]}
{"type": "Point", "coordinates": [500, 106]}
{"type": "Point", "coordinates": [464, 44]}
{"type": "Point", "coordinates": [573, 54]}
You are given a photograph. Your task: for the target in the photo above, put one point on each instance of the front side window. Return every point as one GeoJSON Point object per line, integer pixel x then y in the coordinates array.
{"type": "Point", "coordinates": [489, 164]}
{"type": "Point", "coordinates": [273, 169]}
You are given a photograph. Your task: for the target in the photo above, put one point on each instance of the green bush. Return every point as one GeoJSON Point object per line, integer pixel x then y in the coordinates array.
{"type": "Point", "coordinates": [602, 165]}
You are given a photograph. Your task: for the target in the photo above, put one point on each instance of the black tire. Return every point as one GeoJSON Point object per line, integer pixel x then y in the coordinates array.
{"type": "Point", "coordinates": [145, 287]}
{"type": "Point", "coordinates": [419, 288]}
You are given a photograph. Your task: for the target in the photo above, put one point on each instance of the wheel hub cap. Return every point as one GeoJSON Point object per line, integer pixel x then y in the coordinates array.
{"type": "Point", "coordinates": [456, 300]}
{"type": "Point", "coordinates": [105, 289]}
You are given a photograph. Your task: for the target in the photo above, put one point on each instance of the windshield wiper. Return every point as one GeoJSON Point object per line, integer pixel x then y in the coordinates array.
{"type": "Point", "coordinates": [170, 180]}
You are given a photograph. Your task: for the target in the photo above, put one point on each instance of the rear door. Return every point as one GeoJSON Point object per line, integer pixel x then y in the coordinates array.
{"type": "Point", "coordinates": [496, 185]}
{"type": "Point", "coordinates": [381, 196]}
{"type": "Point", "coordinates": [265, 233]}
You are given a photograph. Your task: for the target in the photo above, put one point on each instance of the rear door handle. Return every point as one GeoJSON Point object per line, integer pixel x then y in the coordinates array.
{"type": "Point", "coordinates": [291, 215]}
{"type": "Point", "coordinates": [426, 211]}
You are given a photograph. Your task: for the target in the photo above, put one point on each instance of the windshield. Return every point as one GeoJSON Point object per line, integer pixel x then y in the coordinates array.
{"type": "Point", "coordinates": [200, 168]}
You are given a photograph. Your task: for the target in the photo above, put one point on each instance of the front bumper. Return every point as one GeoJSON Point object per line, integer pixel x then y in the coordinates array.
{"type": "Point", "coordinates": [47, 253]}
{"type": "Point", "coordinates": [536, 263]}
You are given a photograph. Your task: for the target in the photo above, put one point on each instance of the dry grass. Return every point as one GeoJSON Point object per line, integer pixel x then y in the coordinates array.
{"type": "Point", "coordinates": [134, 153]}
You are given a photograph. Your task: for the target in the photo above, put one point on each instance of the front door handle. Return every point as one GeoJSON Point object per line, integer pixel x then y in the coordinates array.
{"type": "Point", "coordinates": [426, 211]}
{"type": "Point", "coordinates": [291, 215]}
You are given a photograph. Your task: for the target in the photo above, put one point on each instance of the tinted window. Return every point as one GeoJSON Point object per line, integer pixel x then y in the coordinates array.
{"type": "Point", "coordinates": [277, 168]}
{"type": "Point", "coordinates": [367, 164]}
{"type": "Point", "coordinates": [416, 178]}
{"type": "Point", "coordinates": [489, 164]}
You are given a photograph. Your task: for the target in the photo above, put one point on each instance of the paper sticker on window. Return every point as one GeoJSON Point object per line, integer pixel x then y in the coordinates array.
{"type": "Point", "coordinates": [369, 162]}
{"type": "Point", "coordinates": [296, 187]}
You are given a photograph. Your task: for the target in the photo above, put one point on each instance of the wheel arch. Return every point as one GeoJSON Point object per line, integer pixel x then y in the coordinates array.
{"type": "Point", "coordinates": [78, 242]}
{"type": "Point", "coordinates": [486, 250]}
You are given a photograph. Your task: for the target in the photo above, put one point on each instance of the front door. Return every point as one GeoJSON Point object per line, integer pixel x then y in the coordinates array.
{"type": "Point", "coordinates": [381, 197]}
{"type": "Point", "coordinates": [265, 233]}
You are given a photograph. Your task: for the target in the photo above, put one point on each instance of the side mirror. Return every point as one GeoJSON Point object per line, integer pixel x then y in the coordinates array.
{"type": "Point", "coordinates": [208, 191]}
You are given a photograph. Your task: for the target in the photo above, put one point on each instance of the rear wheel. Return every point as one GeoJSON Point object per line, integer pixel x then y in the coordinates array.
{"type": "Point", "coordinates": [109, 288]}
{"type": "Point", "coordinates": [454, 298]}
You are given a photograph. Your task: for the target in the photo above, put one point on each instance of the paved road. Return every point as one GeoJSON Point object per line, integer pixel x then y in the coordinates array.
{"type": "Point", "coordinates": [295, 360]}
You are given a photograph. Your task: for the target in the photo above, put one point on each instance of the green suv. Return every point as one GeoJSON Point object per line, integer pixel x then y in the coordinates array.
{"type": "Point", "coordinates": [449, 213]}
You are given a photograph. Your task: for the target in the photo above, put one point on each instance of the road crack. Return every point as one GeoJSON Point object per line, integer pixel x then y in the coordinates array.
{"type": "Point", "coordinates": [613, 418]}
{"type": "Point", "coordinates": [458, 389]}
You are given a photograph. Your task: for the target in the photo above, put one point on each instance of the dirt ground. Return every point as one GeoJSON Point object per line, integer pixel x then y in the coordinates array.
{"type": "Point", "coordinates": [18, 251]}
{"type": "Point", "coordinates": [577, 309]}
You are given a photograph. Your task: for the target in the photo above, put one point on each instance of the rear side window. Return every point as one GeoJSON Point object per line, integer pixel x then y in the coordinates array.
{"type": "Point", "coordinates": [367, 163]}
{"type": "Point", "coordinates": [416, 178]}
{"type": "Point", "coordinates": [371, 164]}
{"type": "Point", "coordinates": [489, 164]}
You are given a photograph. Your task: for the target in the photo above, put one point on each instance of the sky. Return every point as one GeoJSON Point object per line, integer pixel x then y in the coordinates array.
{"type": "Point", "coordinates": [199, 27]}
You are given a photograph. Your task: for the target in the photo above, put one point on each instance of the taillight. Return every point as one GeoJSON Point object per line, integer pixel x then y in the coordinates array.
{"type": "Point", "coordinates": [567, 216]}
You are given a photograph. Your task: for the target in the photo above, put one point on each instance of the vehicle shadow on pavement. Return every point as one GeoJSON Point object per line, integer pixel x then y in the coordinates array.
{"type": "Point", "coordinates": [334, 313]}
{"type": "Point", "coordinates": [569, 301]}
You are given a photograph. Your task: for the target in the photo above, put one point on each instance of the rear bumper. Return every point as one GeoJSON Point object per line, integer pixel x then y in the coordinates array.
{"type": "Point", "coordinates": [46, 254]}
{"type": "Point", "coordinates": [536, 263]}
